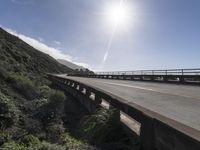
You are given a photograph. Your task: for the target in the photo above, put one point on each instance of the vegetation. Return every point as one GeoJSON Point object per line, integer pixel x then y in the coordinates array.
{"type": "Point", "coordinates": [30, 111]}
{"type": "Point", "coordinates": [104, 129]}
{"type": "Point", "coordinates": [8, 112]}
{"type": "Point", "coordinates": [32, 114]}
{"type": "Point", "coordinates": [24, 86]}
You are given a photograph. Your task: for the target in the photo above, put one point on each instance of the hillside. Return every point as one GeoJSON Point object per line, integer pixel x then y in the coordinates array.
{"type": "Point", "coordinates": [70, 65]}
{"type": "Point", "coordinates": [16, 55]}
{"type": "Point", "coordinates": [32, 114]}
{"type": "Point", "coordinates": [35, 114]}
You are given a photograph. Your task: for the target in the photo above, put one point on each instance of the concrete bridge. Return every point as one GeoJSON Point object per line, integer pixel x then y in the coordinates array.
{"type": "Point", "coordinates": [164, 116]}
{"type": "Point", "coordinates": [184, 76]}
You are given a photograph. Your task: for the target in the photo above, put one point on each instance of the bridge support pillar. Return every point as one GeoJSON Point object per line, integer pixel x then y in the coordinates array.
{"type": "Point", "coordinates": [75, 85]}
{"type": "Point", "coordinates": [88, 93]}
{"type": "Point", "coordinates": [98, 99]}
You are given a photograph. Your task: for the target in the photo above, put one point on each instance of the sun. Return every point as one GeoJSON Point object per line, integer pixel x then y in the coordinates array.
{"type": "Point", "coordinates": [118, 14]}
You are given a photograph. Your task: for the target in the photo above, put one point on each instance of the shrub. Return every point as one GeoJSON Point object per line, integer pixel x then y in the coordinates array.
{"type": "Point", "coordinates": [8, 112]}
{"type": "Point", "coordinates": [4, 137]}
{"type": "Point", "coordinates": [56, 102]}
{"type": "Point", "coordinates": [3, 73]}
{"type": "Point", "coordinates": [69, 141]}
{"type": "Point", "coordinates": [46, 91]}
{"type": "Point", "coordinates": [24, 85]}
{"type": "Point", "coordinates": [54, 133]}
{"type": "Point", "coordinates": [40, 102]}
{"type": "Point", "coordinates": [48, 146]}
{"type": "Point", "coordinates": [103, 128]}
{"type": "Point", "coordinates": [30, 141]}
{"type": "Point", "coordinates": [99, 126]}
{"type": "Point", "coordinates": [56, 99]}
{"type": "Point", "coordinates": [11, 145]}
{"type": "Point", "coordinates": [52, 109]}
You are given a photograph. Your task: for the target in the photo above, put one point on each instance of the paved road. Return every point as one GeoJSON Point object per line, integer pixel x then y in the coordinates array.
{"type": "Point", "coordinates": [177, 102]}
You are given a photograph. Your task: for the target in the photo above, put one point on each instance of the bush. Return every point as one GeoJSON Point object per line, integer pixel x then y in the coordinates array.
{"type": "Point", "coordinates": [51, 110]}
{"type": "Point", "coordinates": [54, 133]}
{"type": "Point", "coordinates": [40, 102]}
{"type": "Point", "coordinates": [4, 137]}
{"type": "Point", "coordinates": [24, 85]}
{"type": "Point", "coordinates": [69, 141]}
{"type": "Point", "coordinates": [56, 103]}
{"type": "Point", "coordinates": [8, 112]}
{"type": "Point", "coordinates": [103, 128]}
{"type": "Point", "coordinates": [48, 146]}
{"type": "Point", "coordinates": [3, 73]}
{"type": "Point", "coordinates": [30, 141]}
{"type": "Point", "coordinates": [46, 91]}
{"type": "Point", "coordinates": [56, 99]}
{"type": "Point", "coordinates": [11, 145]}
{"type": "Point", "coordinates": [98, 127]}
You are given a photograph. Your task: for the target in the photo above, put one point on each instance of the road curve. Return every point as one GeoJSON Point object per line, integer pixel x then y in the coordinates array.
{"type": "Point", "coordinates": [177, 102]}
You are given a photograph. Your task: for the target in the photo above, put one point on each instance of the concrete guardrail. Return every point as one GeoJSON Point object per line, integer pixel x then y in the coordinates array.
{"type": "Point", "coordinates": [155, 132]}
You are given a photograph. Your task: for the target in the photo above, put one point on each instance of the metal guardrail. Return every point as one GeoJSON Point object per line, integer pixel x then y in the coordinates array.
{"type": "Point", "coordinates": [184, 76]}
{"type": "Point", "coordinates": [153, 72]}
{"type": "Point", "coordinates": [156, 132]}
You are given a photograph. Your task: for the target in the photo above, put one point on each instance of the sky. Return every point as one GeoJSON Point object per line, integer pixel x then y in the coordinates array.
{"type": "Point", "coordinates": [154, 34]}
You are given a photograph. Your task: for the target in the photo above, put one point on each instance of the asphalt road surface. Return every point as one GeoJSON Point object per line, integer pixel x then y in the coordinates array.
{"type": "Point", "coordinates": [177, 102]}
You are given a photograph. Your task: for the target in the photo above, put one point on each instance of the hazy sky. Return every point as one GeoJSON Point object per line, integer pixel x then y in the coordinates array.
{"type": "Point", "coordinates": [158, 34]}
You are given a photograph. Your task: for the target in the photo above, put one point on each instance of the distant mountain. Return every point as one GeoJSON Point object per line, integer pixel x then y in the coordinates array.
{"type": "Point", "coordinates": [15, 53]}
{"type": "Point", "coordinates": [70, 64]}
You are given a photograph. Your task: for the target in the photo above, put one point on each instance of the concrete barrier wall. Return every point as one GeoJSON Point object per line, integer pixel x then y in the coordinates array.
{"type": "Point", "coordinates": [156, 133]}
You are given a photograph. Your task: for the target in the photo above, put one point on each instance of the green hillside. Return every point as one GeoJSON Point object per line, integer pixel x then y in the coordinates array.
{"type": "Point", "coordinates": [35, 115]}
{"type": "Point", "coordinates": [31, 112]}
{"type": "Point", "coordinates": [18, 56]}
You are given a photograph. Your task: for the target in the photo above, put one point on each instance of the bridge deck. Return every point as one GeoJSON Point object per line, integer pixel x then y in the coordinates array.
{"type": "Point", "coordinates": [177, 102]}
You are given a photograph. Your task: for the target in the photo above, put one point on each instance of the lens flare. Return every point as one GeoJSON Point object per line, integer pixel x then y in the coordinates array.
{"type": "Point", "coordinates": [118, 14]}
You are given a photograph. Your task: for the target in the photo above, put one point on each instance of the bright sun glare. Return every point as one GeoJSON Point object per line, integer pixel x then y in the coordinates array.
{"type": "Point", "coordinates": [118, 14]}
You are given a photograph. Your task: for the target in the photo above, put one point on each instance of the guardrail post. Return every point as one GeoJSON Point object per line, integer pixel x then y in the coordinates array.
{"type": "Point", "coordinates": [69, 83]}
{"type": "Point", "coordinates": [80, 88]}
{"type": "Point", "coordinates": [88, 93]}
{"type": "Point", "coordinates": [98, 99]}
{"type": "Point", "coordinates": [75, 85]}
